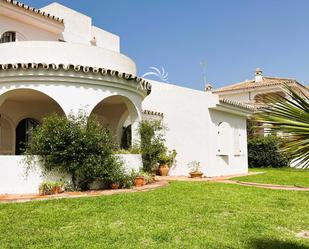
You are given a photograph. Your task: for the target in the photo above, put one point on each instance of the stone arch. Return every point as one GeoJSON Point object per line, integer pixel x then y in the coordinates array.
{"type": "Point", "coordinates": [116, 111]}
{"type": "Point", "coordinates": [18, 104]}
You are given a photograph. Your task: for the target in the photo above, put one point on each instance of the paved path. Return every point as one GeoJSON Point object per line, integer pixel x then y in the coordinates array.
{"type": "Point", "coordinates": [226, 179]}
{"type": "Point", "coordinates": [268, 186]}
{"type": "Point", "coordinates": [161, 182]}
{"type": "Point", "coordinates": [32, 197]}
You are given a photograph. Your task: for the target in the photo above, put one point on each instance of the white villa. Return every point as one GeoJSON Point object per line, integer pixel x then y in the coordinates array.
{"type": "Point", "coordinates": [54, 60]}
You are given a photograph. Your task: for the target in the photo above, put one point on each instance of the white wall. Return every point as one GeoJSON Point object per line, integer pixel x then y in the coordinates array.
{"type": "Point", "coordinates": [65, 53]}
{"type": "Point", "coordinates": [25, 31]}
{"type": "Point", "coordinates": [77, 26]}
{"type": "Point", "coordinates": [106, 39]}
{"type": "Point", "coordinates": [192, 130]}
{"type": "Point", "coordinates": [15, 180]}
{"type": "Point", "coordinates": [79, 29]}
{"type": "Point", "coordinates": [236, 160]}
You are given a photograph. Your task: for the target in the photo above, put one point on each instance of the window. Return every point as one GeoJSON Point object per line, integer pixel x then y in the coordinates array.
{"type": "Point", "coordinates": [224, 139]}
{"type": "Point", "coordinates": [8, 37]}
{"type": "Point", "coordinates": [23, 133]}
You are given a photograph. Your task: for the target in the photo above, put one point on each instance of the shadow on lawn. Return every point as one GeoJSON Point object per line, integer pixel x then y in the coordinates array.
{"type": "Point", "coordinates": [276, 244]}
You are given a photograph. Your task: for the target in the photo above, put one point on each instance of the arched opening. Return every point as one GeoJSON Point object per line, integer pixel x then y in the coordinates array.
{"type": "Point", "coordinates": [22, 110]}
{"type": "Point", "coordinates": [9, 36]}
{"type": "Point", "coordinates": [118, 114]}
{"type": "Point", "coordinates": [23, 134]}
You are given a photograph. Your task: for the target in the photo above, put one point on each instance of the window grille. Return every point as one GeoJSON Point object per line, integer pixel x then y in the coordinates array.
{"type": "Point", "coordinates": [8, 37]}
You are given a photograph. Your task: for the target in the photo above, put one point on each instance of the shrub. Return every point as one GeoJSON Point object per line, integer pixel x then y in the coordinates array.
{"type": "Point", "coordinates": [152, 143]}
{"type": "Point", "coordinates": [264, 152]}
{"type": "Point", "coordinates": [167, 157]}
{"type": "Point", "coordinates": [77, 146]}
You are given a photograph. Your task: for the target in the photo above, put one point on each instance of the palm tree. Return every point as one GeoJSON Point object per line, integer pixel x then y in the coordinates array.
{"type": "Point", "coordinates": [290, 117]}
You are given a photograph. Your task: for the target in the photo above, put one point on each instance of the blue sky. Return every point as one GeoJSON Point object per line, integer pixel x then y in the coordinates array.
{"type": "Point", "coordinates": [233, 37]}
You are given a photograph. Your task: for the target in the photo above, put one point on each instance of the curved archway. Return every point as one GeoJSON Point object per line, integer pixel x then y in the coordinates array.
{"type": "Point", "coordinates": [19, 105]}
{"type": "Point", "coordinates": [118, 114]}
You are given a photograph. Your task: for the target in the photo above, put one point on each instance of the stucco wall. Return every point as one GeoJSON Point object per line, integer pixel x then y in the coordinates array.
{"type": "Point", "coordinates": [235, 161]}
{"type": "Point", "coordinates": [79, 29]}
{"type": "Point", "coordinates": [192, 129]}
{"type": "Point", "coordinates": [14, 180]}
{"type": "Point", "coordinates": [65, 53]}
{"type": "Point", "coordinates": [25, 32]}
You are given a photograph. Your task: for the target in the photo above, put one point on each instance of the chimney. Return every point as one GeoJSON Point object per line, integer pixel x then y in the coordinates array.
{"type": "Point", "coordinates": [208, 88]}
{"type": "Point", "coordinates": [258, 76]}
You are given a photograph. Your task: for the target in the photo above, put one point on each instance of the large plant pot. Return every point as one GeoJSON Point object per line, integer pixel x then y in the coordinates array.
{"type": "Point", "coordinates": [196, 174]}
{"type": "Point", "coordinates": [57, 190]}
{"type": "Point", "coordinates": [139, 181]}
{"type": "Point", "coordinates": [164, 169]}
{"type": "Point", "coordinates": [115, 186]}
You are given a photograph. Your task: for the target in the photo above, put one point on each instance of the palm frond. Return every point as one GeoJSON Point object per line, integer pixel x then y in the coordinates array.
{"type": "Point", "coordinates": [288, 116]}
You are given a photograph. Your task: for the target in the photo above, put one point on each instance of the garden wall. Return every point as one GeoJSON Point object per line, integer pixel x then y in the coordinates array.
{"type": "Point", "coordinates": [14, 180]}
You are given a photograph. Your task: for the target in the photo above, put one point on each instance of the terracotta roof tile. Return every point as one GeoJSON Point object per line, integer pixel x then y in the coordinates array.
{"type": "Point", "coordinates": [153, 113]}
{"type": "Point", "coordinates": [142, 84]}
{"type": "Point", "coordinates": [236, 104]}
{"type": "Point", "coordinates": [248, 84]}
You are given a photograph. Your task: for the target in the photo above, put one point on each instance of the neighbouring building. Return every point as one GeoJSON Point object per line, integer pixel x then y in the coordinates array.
{"type": "Point", "coordinates": [253, 92]}
{"type": "Point", "coordinates": [54, 60]}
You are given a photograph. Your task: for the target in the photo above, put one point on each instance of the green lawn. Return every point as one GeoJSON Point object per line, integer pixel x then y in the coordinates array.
{"type": "Point", "coordinates": [182, 215]}
{"type": "Point", "coordinates": [286, 176]}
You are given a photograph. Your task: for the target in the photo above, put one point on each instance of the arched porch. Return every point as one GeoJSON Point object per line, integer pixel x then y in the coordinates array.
{"type": "Point", "coordinates": [20, 111]}
{"type": "Point", "coordinates": [119, 114]}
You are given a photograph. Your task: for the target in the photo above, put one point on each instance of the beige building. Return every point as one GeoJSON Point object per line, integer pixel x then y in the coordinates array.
{"type": "Point", "coordinates": [253, 92]}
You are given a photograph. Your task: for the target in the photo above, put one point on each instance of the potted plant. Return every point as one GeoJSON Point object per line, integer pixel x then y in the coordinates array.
{"type": "Point", "coordinates": [57, 187]}
{"type": "Point", "coordinates": [195, 171]}
{"type": "Point", "coordinates": [115, 185]}
{"type": "Point", "coordinates": [163, 164]}
{"type": "Point", "coordinates": [166, 159]}
{"type": "Point", "coordinates": [50, 188]}
{"type": "Point", "coordinates": [139, 181]}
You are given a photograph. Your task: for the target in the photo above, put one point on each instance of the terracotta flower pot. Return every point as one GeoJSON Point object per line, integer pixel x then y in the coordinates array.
{"type": "Point", "coordinates": [153, 179]}
{"type": "Point", "coordinates": [139, 181]}
{"type": "Point", "coordinates": [114, 186]}
{"type": "Point", "coordinates": [164, 169]}
{"type": "Point", "coordinates": [56, 190]}
{"type": "Point", "coordinates": [196, 174]}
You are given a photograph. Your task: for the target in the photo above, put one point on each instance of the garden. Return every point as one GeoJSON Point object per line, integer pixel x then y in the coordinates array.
{"type": "Point", "coordinates": [82, 154]}
{"type": "Point", "coordinates": [181, 215]}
